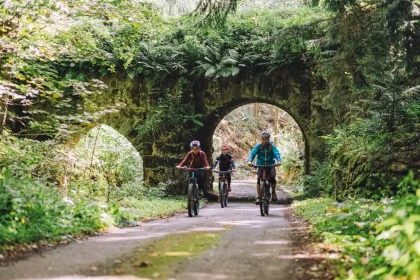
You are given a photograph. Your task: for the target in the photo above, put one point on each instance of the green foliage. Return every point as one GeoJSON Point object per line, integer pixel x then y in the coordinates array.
{"type": "Point", "coordinates": [33, 210]}
{"type": "Point", "coordinates": [47, 191]}
{"type": "Point", "coordinates": [170, 115]}
{"type": "Point", "coordinates": [132, 209]}
{"type": "Point", "coordinates": [319, 182]}
{"type": "Point", "coordinates": [362, 158]}
{"type": "Point", "coordinates": [217, 65]}
{"type": "Point", "coordinates": [378, 240]}
{"type": "Point", "coordinates": [216, 12]}
{"type": "Point", "coordinates": [47, 79]}
{"type": "Point", "coordinates": [54, 51]}
{"type": "Point", "coordinates": [362, 154]}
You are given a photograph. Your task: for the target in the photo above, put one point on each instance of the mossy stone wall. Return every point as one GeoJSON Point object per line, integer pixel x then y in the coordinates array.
{"type": "Point", "coordinates": [290, 89]}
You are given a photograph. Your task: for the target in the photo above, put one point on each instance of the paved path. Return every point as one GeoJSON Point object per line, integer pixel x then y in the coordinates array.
{"type": "Point", "coordinates": [245, 190]}
{"type": "Point", "coordinates": [254, 248]}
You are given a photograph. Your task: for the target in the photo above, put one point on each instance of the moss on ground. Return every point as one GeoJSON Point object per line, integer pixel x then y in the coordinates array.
{"type": "Point", "coordinates": [162, 258]}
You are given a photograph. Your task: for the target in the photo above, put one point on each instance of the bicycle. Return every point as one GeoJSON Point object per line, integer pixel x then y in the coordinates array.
{"type": "Point", "coordinates": [223, 187]}
{"type": "Point", "coordinates": [193, 199]}
{"type": "Point", "coordinates": [265, 189]}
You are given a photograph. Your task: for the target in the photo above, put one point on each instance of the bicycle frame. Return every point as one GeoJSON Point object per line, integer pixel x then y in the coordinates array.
{"type": "Point", "coordinates": [193, 199]}
{"type": "Point", "coordinates": [265, 189]}
{"type": "Point", "coordinates": [223, 192]}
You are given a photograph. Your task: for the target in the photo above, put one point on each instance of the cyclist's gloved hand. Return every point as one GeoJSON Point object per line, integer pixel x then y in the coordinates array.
{"type": "Point", "coordinates": [208, 167]}
{"type": "Point", "coordinates": [278, 163]}
{"type": "Point", "coordinates": [233, 170]}
{"type": "Point", "coordinates": [249, 164]}
{"type": "Point", "coordinates": [213, 170]}
{"type": "Point", "coordinates": [178, 166]}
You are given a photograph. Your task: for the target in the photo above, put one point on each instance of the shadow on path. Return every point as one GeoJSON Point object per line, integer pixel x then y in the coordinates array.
{"type": "Point", "coordinates": [245, 191]}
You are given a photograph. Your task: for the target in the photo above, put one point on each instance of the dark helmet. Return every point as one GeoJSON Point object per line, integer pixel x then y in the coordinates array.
{"type": "Point", "coordinates": [195, 143]}
{"type": "Point", "coordinates": [265, 134]}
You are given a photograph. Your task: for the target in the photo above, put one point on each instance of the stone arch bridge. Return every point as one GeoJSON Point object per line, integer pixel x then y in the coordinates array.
{"type": "Point", "coordinates": [291, 90]}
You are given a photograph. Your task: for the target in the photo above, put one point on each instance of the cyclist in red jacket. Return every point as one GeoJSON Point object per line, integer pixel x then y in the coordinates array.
{"type": "Point", "coordinates": [196, 158]}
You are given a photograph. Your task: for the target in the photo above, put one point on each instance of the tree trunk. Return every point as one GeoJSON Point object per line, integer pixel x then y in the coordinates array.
{"type": "Point", "coordinates": [256, 113]}
{"type": "Point", "coordinates": [276, 125]}
{"type": "Point", "coordinates": [93, 151]}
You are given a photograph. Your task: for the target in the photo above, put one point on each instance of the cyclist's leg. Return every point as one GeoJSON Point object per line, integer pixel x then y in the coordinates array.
{"type": "Point", "coordinates": [229, 179]}
{"type": "Point", "coordinates": [257, 199]}
{"type": "Point", "coordinates": [272, 180]}
{"type": "Point", "coordinates": [200, 181]}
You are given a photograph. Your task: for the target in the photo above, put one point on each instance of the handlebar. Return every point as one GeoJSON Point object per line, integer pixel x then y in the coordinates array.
{"type": "Point", "coordinates": [223, 172]}
{"type": "Point", "coordinates": [193, 169]}
{"type": "Point", "coordinates": [264, 166]}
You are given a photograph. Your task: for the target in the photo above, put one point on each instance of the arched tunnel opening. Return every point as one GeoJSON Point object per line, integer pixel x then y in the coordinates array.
{"type": "Point", "coordinates": [240, 129]}
{"type": "Point", "coordinates": [109, 163]}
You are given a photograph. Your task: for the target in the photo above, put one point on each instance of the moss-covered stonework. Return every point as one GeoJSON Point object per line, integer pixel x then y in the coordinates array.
{"type": "Point", "coordinates": [290, 89]}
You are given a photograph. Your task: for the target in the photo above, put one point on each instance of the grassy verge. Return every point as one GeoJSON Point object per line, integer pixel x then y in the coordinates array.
{"type": "Point", "coordinates": [135, 210]}
{"type": "Point", "coordinates": [373, 239]}
{"type": "Point", "coordinates": [35, 215]}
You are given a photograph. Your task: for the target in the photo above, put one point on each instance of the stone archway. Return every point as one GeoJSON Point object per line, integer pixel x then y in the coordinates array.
{"type": "Point", "coordinates": [289, 89]}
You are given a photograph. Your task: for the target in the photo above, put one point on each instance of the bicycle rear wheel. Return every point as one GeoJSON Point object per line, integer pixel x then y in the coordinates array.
{"type": "Point", "coordinates": [226, 196]}
{"type": "Point", "coordinates": [190, 199]}
{"type": "Point", "coordinates": [262, 200]}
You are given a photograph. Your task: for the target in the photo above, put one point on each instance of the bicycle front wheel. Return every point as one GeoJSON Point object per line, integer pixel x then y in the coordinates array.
{"type": "Point", "coordinates": [196, 201]}
{"type": "Point", "coordinates": [262, 200]}
{"type": "Point", "coordinates": [222, 195]}
{"type": "Point", "coordinates": [190, 199]}
{"type": "Point", "coordinates": [267, 199]}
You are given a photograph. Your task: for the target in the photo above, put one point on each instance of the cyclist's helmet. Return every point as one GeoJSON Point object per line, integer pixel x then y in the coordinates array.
{"type": "Point", "coordinates": [194, 144]}
{"type": "Point", "coordinates": [265, 134]}
{"type": "Point", "coordinates": [224, 147]}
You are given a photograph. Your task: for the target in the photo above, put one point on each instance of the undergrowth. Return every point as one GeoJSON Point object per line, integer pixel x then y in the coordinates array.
{"type": "Point", "coordinates": [375, 239]}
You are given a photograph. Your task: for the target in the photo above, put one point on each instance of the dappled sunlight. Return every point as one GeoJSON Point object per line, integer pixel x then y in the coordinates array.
{"type": "Point", "coordinates": [106, 277]}
{"type": "Point", "coordinates": [241, 223]}
{"type": "Point", "coordinates": [301, 256]}
{"type": "Point", "coordinates": [244, 209]}
{"type": "Point", "coordinates": [106, 239]}
{"type": "Point", "coordinates": [208, 229]}
{"type": "Point", "coordinates": [125, 230]}
{"type": "Point", "coordinates": [204, 276]}
{"type": "Point", "coordinates": [274, 218]}
{"type": "Point", "coordinates": [177, 254]}
{"type": "Point", "coordinates": [267, 254]}
{"type": "Point", "coordinates": [291, 228]}
{"type": "Point", "coordinates": [253, 208]}
{"type": "Point", "coordinates": [181, 231]}
{"type": "Point", "coordinates": [152, 224]}
{"type": "Point", "coordinates": [272, 242]}
{"type": "Point", "coordinates": [275, 209]}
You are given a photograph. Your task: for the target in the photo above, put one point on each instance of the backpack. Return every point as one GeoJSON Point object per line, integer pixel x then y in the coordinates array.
{"type": "Point", "coordinates": [270, 148]}
{"type": "Point", "coordinates": [229, 156]}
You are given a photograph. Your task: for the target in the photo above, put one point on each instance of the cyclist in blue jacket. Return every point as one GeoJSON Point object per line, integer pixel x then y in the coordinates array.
{"type": "Point", "coordinates": [267, 154]}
